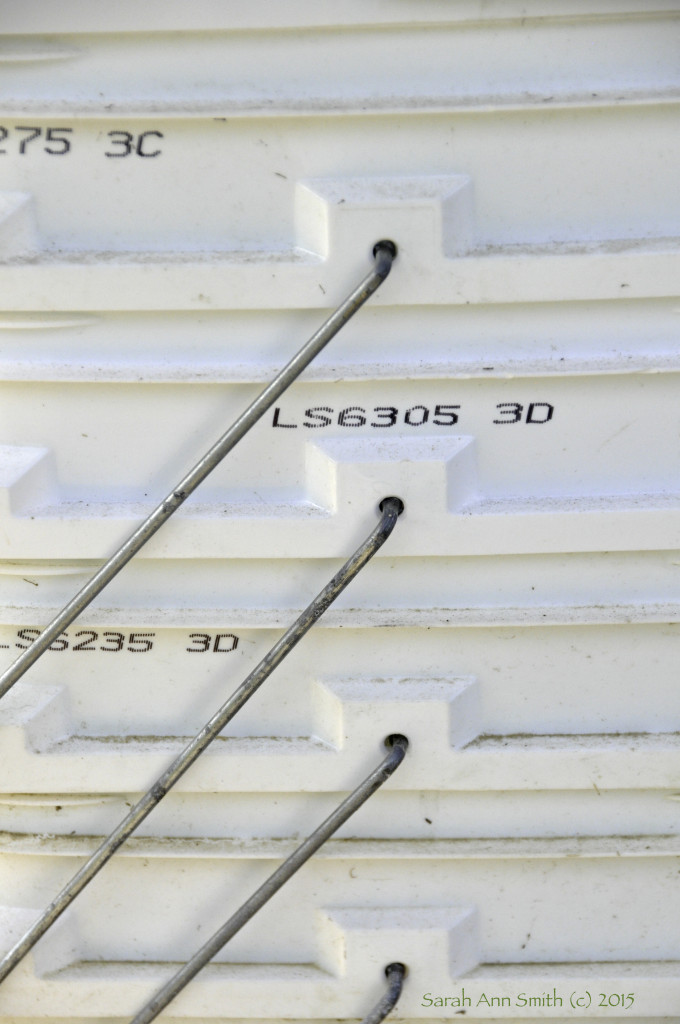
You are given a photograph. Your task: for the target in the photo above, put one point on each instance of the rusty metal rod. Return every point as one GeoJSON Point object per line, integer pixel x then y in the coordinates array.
{"type": "Point", "coordinates": [395, 980]}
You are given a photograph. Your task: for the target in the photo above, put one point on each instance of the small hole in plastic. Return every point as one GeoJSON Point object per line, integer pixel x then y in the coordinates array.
{"type": "Point", "coordinates": [396, 966]}
{"type": "Point", "coordinates": [386, 243]}
{"type": "Point", "coordinates": [394, 738]}
{"type": "Point", "coordinates": [401, 506]}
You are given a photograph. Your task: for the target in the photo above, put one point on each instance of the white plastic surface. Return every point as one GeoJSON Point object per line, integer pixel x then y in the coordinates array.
{"type": "Point", "coordinates": [186, 192]}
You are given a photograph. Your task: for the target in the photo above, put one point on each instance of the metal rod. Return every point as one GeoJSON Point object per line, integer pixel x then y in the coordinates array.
{"type": "Point", "coordinates": [275, 881]}
{"type": "Point", "coordinates": [395, 980]}
{"type": "Point", "coordinates": [391, 509]}
{"type": "Point", "coordinates": [384, 253]}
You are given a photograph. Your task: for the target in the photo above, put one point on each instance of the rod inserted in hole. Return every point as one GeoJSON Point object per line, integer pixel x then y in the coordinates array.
{"type": "Point", "coordinates": [384, 252]}
{"type": "Point", "coordinates": [390, 510]}
{"type": "Point", "coordinates": [398, 746]}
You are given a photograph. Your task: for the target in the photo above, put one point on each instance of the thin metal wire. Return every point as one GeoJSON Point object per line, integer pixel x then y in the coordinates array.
{"type": "Point", "coordinates": [384, 253]}
{"type": "Point", "coordinates": [391, 509]}
{"type": "Point", "coordinates": [174, 986]}
{"type": "Point", "coordinates": [395, 980]}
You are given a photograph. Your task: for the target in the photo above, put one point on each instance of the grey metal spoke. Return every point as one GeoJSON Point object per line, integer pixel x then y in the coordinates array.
{"type": "Point", "coordinates": [174, 986]}
{"type": "Point", "coordinates": [391, 509]}
{"type": "Point", "coordinates": [384, 253]}
{"type": "Point", "coordinates": [395, 980]}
